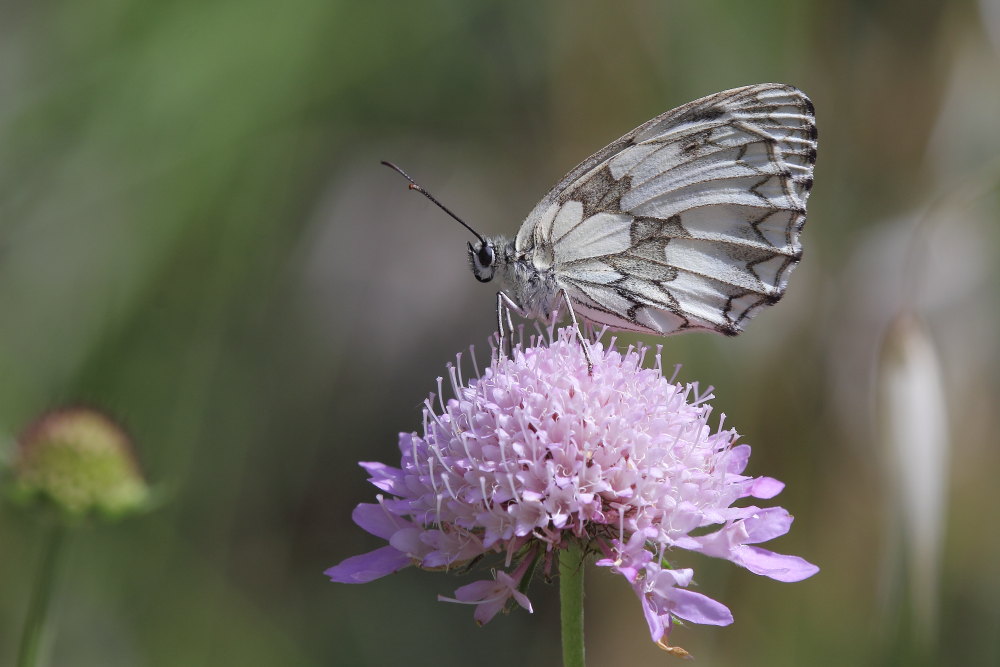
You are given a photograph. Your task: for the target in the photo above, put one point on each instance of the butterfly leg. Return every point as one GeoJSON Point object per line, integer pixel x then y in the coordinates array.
{"type": "Point", "coordinates": [579, 332]}
{"type": "Point", "coordinates": [504, 305]}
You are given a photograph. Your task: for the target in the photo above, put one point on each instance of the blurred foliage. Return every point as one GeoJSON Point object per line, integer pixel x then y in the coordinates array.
{"type": "Point", "coordinates": [196, 236]}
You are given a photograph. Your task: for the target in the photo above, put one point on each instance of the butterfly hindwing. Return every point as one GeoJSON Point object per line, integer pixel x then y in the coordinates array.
{"type": "Point", "coordinates": [690, 221]}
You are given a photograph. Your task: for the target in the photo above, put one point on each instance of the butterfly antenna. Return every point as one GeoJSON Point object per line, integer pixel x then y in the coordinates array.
{"type": "Point", "coordinates": [415, 186]}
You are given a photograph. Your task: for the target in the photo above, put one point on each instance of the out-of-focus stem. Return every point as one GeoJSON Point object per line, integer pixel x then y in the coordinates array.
{"type": "Point", "coordinates": [41, 596]}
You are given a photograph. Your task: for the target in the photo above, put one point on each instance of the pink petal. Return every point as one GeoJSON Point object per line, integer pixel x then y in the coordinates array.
{"type": "Point", "coordinates": [722, 542]}
{"type": "Point", "coordinates": [476, 591]}
{"type": "Point", "coordinates": [766, 487]}
{"type": "Point", "coordinates": [410, 541]}
{"type": "Point", "coordinates": [739, 456]}
{"type": "Point", "coordinates": [630, 559]}
{"type": "Point", "coordinates": [775, 566]}
{"type": "Point", "coordinates": [659, 624]}
{"type": "Point", "coordinates": [490, 596]}
{"type": "Point", "coordinates": [387, 478]}
{"type": "Point", "coordinates": [485, 611]}
{"type": "Point", "coordinates": [759, 525]}
{"type": "Point", "coordinates": [522, 600]}
{"type": "Point", "coordinates": [699, 608]}
{"type": "Point", "coordinates": [767, 524]}
{"type": "Point", "coordinates": [667, 579]}
{"type": "Point", "coordinates": [373, 518]}
{"type": "Point", "coordinates": [368, 567]}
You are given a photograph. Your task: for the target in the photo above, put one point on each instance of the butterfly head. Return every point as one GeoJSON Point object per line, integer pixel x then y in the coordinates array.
{"type": "Point", "coordinates": [483, 258]}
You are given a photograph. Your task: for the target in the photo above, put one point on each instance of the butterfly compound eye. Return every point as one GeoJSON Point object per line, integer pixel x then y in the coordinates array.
{"type": "Point", "coordinates": [486, 255]}
{"type": "Point", "coordinates": [482, 257]}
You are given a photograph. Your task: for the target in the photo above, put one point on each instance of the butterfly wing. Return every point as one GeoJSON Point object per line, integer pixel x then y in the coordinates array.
{"type": "Point", "coordinates": [690, 221]}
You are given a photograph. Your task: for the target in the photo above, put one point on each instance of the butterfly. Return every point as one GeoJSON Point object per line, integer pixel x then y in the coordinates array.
{"type": "Point", "coordinates": [691, 221]}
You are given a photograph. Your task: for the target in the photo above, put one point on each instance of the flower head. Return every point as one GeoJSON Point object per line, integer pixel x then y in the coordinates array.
{"type": "Point", "coordinates": [81, 462]}
{"type": "Point", "coordinates": [536, 453]}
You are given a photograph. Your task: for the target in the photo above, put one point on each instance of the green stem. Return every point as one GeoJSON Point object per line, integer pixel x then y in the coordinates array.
{"type": "Point", "coordinates": [571, 605]}
{"type": "Point", "coordinates": [35, 623]}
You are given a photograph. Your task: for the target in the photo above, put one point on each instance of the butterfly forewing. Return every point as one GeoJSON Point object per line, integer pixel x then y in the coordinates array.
{"type": "Point", "coordinates": [690, 221]}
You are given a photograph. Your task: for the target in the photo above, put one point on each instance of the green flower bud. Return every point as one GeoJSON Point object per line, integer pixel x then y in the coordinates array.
{"type": "Point", "coordinates": [81, 462]}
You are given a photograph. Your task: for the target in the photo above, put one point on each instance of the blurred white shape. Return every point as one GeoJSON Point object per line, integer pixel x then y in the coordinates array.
{"type": "Point", "coordinates": [940, 263]}
{"type": "Point", "coordinates": [939, 258]}
{"type": "Point", "coordinates": [912, 420]}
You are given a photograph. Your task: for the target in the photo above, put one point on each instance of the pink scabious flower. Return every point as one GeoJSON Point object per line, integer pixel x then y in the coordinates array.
{"type": "Point", "coordinates": [535, 454]}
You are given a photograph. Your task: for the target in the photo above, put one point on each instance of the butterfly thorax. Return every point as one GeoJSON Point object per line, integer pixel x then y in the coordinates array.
{"type": "Point", "coordinates": [534, 290]}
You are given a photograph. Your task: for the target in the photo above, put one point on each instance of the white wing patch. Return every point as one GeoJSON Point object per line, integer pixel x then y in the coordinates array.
{"type": "Point", "coordinates": [690, 221]}
{"type": "Point", "coordinates": [568, 216]}
{"type": "Point", "coordinates": [601, 234]}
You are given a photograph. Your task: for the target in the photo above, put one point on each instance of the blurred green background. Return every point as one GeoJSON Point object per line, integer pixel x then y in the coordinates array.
{"type": "Point", "coordinates": [196, 236]}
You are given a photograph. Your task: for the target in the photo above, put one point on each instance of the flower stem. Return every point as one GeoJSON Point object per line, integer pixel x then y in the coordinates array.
{"type": "Point", "coordinates": [571, 605]}
{"type": "Point", "coordinates": [35, 623]}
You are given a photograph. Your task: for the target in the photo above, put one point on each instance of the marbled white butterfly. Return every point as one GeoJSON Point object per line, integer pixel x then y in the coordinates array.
{"type": "Point", "coordinates": [690, 221]}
